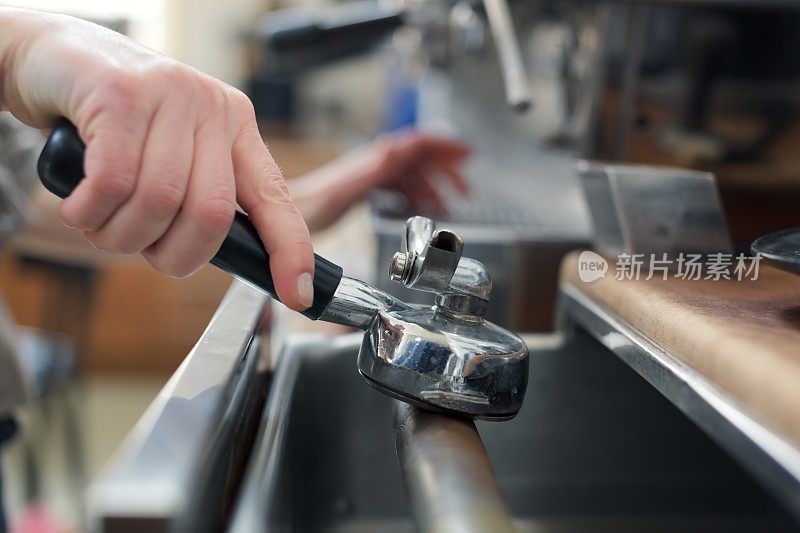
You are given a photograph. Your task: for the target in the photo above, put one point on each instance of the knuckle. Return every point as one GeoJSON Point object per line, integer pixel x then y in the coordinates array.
{"type": "Point", "coordinates": [272, 187]}
{"type": "Point", "coordinates": [242, 103]}
{"type": "Point", "coordinates": [393, 154]}
{"type": "Point", "coordinates": [211, 103]}
{"type": "Point", "coordinates": [95, 242]}
{"type": "Point", "coordinates": [124, 248]}
{"type": "Point", "coordinates": [120, 92]}
{"type": "Point", "coordinates": [176, 270]}
{"type": "Point", "coordinates": [118, 85]}
{"type": "Point", "coordinates": [215, 215]}
{"type": "Point", "coordinates": [174, 266]}
{"type": "Point", "coordinates": [118, 183]}
{"type": "Point", "coordinates": [163, 198]}
{"type": "Point", "coordinates": [170, 72]}
{"type": "Point", "coordinates": [76, 218]}
{"type": "Point", "coordinates": [118, 80]}
{"type": "Point", "coordinates": [111, 246]}
{"type": "Point", "coordinates": [212, 92]}
{"type": "Point", "coordinates": [413, 143]}
{"type": "Point", "coordinates": [304, 247]}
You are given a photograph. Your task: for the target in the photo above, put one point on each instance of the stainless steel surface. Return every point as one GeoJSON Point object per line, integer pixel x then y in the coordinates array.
{"type": "Point", "coordinates": [147, 480]}
{"type": "Point", "coordinates": [441, 362]}
{"type": "Point", "coordinates": [468, 291]}
{"type": "Point", "coordinates": [515, 76]}
{"type": "Point", "coordinates": [356, 303]}
{"type": "Point", "coordinates": [428, 264]}
{"type": "Point", "coordinates": [431, 261]}
{"type": "Point", "coordinates": [445, 356]}
{"type": "Point", "coordinates": [595, 448]}
{"type": "Point", "coordinates": [418, 233]}
{"type": "Point", "coordinates": [447, 474]}
{"type": "Point", "coordinates": [399, 266]}
{"type": "Point", "coordinates": [764, 452]}
{"type": "Point", "coordinates": [654, 210]}
{"type": "Point", "coordinates": [323, 459]}
{"type": "Point", "coordinates": [262, 472]}
{"type": "Point", "coordinates": [430, 257]}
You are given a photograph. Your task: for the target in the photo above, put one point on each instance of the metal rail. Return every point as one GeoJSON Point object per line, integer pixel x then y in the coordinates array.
{"type": "Point", "coordinates": [144, 485]}
{"type": "Point", "coordinates": [765, 453]}
{"type": "Point", "coordinates": [448, 477]}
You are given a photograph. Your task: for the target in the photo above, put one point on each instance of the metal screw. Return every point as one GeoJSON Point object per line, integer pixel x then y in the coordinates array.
{"type": "Point", "coordinates": [398, 267]}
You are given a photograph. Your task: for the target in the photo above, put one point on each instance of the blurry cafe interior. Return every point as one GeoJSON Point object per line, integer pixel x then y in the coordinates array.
{"type": "Point", "coordinates": [594, 327]}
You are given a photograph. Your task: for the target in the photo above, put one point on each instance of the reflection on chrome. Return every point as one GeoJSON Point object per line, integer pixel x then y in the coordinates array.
{"type": "Point", "coordinates": [444, 356]}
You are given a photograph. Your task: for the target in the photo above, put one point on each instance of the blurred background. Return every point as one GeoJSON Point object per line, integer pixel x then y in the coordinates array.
{"type": "Point", "coordinates": [700, 85]}
{"type": "Point", "coordinates": [103, 333]}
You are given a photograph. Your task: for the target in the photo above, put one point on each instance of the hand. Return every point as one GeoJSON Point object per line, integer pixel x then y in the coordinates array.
{"type": "Point", "coordinates": [410, 162]}
{"type": "Point", "coordinates": [169, 150]}
{"type": "Point", "coordinates": [413, 162]}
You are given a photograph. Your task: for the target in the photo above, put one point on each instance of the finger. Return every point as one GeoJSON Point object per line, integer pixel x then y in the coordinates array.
{"type": "Point", "coordinates": [453, 173]}
{"type": "Point", "coordinates": [441, 146]}
{"type": "Point", "coordinates": [413, 149]}
{"type": "Point", "coordinates": [114, 143]}
{"type": "Point", "coordinates": [422, 193]}
{"type": "Point", "coordinates": [205, 218]}
{"type": "Point", "coordinates": [262, 192]}
{"type": "Point", "coordinates": [160, 190]}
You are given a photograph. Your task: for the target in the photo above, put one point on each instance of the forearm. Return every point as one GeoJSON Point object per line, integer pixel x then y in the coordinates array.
{"type": "Point", "coordinates": [408, 162]}
{"type": "Point", "coordinates": [325, 194]}
{"type": "Point", "coordinates": [50, 65]}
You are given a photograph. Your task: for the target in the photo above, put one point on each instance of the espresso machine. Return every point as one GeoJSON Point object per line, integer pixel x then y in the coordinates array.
{"type": "Point", "coordinates": [625, 426]}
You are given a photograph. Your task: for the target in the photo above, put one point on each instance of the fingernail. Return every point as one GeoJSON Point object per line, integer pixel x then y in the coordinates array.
{"type": "Point", "coordinates": [305, 289]}
{"type": "Point", "coordinates": [70, 226]}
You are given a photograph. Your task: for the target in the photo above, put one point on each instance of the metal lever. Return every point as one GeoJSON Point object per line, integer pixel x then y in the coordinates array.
{"type": "Point", "coordinates": [428, 258]}
{"type": "Point", "coordinates": [515, 75]}
{"type": "Point", "coordinates": [431, 261]}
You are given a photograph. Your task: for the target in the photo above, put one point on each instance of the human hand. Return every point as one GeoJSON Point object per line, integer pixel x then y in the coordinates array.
{"type": "Point", "coordinates": [413, 163]}
{"type": "Point", "coordinates": [409, 162]}
{"type": "Point", "coordinates": [169, 150]}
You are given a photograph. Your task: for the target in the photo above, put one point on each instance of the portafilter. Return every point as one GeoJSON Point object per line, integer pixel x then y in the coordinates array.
{"type": "Point", "coordinates": [445, 357]}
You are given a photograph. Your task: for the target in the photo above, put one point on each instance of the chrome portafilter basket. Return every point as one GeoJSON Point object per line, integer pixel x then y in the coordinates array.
{"type": "Point", "coordinates": [444, 356]}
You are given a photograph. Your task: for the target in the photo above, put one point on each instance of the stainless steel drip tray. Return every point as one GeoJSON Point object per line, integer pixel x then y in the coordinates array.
{"type": "Point", "coordinates": [325, 458]}
{"type": "Point", "coordinates": [594, 447]}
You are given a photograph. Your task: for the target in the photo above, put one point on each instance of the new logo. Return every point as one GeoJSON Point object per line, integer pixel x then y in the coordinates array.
{"type": "Point", "coordinates": [591, 266]}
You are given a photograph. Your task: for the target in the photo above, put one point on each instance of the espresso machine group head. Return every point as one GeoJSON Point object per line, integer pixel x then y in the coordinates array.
{"type": "Point", "coordinates": [444, 356]}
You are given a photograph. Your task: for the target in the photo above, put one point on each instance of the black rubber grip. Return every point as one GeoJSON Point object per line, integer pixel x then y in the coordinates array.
{"type": "Point", "coordinates": [242, 254]}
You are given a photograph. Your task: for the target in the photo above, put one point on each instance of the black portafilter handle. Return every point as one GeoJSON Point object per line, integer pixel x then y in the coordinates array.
{"type": "Point", "coordinates": [241, 255]}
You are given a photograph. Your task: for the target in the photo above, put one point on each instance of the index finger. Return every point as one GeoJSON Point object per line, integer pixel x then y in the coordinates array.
{"type": "Point", "coordinates": [454, 175]}
{"type": "Point", "coordinates": [444, 147]}
{"type": "Point", "coordinates": [262, 193]}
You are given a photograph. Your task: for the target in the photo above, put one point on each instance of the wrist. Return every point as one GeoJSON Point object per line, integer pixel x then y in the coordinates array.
{"type": "Point", "coordinates": [9, 47]}
{"type": "Point", "coordinates": [21, 28]}
{"type": "Point", "coordinates": [360, 171]}
{"type": "Point", "coordinates": [348, 178]}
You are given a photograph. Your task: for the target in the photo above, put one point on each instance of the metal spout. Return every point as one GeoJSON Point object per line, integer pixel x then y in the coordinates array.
{"type": "Point", "coordinates": [443, 357]}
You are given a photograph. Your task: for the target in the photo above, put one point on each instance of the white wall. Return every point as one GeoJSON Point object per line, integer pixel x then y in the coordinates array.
{"type": "Point", "coordinates": [202, 33]}
{"type": "Point", "coordinates": [147, 18]}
